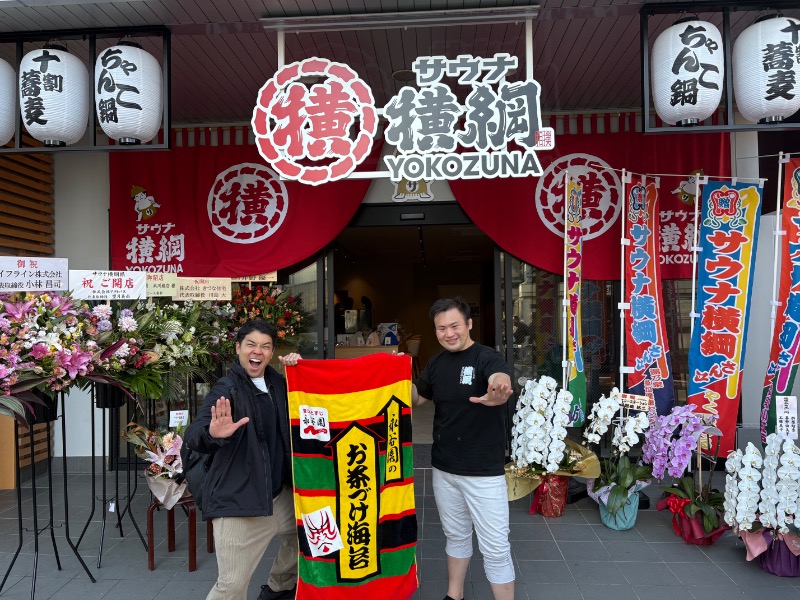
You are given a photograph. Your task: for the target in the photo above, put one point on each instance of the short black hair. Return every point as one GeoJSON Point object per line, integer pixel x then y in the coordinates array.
{"type": "Point", "coordinates": [259, 325]}
{"type": "Point", "coordinates": [445, 304]}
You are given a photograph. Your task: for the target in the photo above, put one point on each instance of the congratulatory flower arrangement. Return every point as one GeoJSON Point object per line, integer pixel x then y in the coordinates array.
{"type": "Point", "coordinates": [540, 450]}
{"type": "Point", "coordinates": [761, 502]}
{"type": "Point", "coordinates": [620, 479]}
{"type": "Point", "coordinates": [671, 442]}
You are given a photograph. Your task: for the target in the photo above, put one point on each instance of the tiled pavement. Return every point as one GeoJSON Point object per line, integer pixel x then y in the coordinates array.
{"type": "Point", "coordinates": [571, 557]}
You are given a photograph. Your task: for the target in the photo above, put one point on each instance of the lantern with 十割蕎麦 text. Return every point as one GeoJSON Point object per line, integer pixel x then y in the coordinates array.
{"type": "Point", "coordinates": [687, 72]}
{"type": "Point", "coordinates": [766, 69]}
{"type": "Point", "coordinates": [128, 93]}
{"type": "Point", "coordinates": [54, 95]}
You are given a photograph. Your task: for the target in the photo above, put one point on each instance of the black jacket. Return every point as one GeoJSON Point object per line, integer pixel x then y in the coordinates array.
{"type": "Point", "coordinates": [239, 481]}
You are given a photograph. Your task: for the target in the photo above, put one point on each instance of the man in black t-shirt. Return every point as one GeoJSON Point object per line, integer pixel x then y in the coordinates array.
{"type": "Point", "coordinates": [469, 385]}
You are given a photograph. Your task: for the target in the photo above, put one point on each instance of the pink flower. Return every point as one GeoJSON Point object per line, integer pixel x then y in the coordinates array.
{"type": "Point", "coordinates": [73, 362]}
{"type": "Point", "coordinates": [19, 310]}
{"type": "Point", "coordinates": [39, 351]}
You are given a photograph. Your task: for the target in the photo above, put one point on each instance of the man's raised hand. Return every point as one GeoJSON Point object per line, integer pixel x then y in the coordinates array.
{"type": "Point", "coordinates": [222, 425]}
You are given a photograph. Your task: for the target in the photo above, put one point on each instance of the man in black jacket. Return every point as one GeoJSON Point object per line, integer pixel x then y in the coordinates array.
{"type": "Point", "coordinates": [244, 423]}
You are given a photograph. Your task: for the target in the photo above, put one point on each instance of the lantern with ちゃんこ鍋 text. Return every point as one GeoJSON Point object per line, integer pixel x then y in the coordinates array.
{"type": "Point", "coordinates": [687, 71]}
{"type": "Point", "coordinates": [128, 93]}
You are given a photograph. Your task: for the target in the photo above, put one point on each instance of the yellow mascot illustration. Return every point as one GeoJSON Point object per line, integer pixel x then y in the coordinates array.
{"type": "Point", "coordinates": [144, 205]}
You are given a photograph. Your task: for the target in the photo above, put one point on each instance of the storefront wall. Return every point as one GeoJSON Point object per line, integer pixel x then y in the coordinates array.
{"type": "Point", "coordinates": [82, 235]}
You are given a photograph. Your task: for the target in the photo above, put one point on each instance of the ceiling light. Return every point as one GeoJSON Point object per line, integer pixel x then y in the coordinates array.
{"type": "Point", "coordinates": [389, 20]}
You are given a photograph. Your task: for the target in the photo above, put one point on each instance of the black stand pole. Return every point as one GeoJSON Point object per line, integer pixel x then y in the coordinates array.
{"type": "Point", "coordinates": [19, 508]}
{"type": "Point", "coordinates": [34, 496]}
{"type": "Point", "coordinates": [94, 482]}
{"type": "Point", "coordinates": [66, 496]}
{"type": "Point", "coordinates": [128, 470]}
{"type": "Point", "coordinates": [110, 401]}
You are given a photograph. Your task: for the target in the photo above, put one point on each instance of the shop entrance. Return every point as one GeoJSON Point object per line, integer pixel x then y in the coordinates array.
{"type": "Point", "coordinates": [391, 263]}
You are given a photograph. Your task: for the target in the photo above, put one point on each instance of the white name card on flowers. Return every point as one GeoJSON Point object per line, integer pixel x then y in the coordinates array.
{"type": "Point", "coordinates": [178, 417]}
{"type": "Point", "coordinates": [786, 412]}
{"type": "Point", "coordinates": [108, 285]}
{"type": "Point", "coordinates": [270, 277]}
{"type": "Point", "coordinates": [33, 274]}
{"type": "Point", "coordinates": [202, 288]}
{"type": "Point", "coordinates": [161, 284]}
{"type": "Point", "coordinates": [634, 402]}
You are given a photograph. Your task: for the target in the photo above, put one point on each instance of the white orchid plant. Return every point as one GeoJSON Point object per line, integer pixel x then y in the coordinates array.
{"type": "Point", "coordinates": [539, 430]}
{"type": "Point", "coordinates": [619, 478]}
{"type": "Point", "coordinates": [761, 492]}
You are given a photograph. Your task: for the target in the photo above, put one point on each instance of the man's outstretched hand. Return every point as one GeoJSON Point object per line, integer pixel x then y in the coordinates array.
{"type": "Point", "coordinates": [222, 425]}
{"type": "Point", "coordinates": [498, 393]}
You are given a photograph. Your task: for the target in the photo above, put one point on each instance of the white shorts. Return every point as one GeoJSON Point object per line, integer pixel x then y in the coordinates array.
{"type": "Point", "coordinates": [465, 501]}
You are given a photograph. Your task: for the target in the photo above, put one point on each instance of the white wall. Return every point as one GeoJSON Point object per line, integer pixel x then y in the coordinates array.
{"type": "Point", "coordinates": [744, 150]}
{"type": "Point", "coordinates": [81, 216]}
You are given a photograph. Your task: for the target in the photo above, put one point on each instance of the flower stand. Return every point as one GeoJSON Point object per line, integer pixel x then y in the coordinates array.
{"type": "Point", "coordinates": [690, 529]}
{"type": "Point", "coordinates": [550, 498]}
{"type": "Point", "coordinates": [625, 518]}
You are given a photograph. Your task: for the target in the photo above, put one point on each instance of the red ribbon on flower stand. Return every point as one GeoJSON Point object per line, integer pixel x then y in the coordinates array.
{"type": "Point", "coordinates": [689, 528]}
{"type": "Point", "coordinates": [550, 498]}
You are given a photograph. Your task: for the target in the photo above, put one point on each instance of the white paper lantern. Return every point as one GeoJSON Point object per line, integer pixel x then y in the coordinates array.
{"type": "Point", "coordinates": [128, 93]}
{"type": "Point", "coordinates": [8, 88]}
{"type": "Point", "coordinates": [766, 74]}
{"type": "Point", "coordinates": [54, 96]}
{"type": "Point", "coordinates": [687, 72]}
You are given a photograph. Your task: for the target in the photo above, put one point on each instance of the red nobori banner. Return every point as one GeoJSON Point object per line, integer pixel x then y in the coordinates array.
{"type": "Point", "coordinates": [218, 211]}
{"type": "Point", "coordinates": [645, 333]}
{"type": "Point", "coordinates": [728, 241]}
{"type": "Point", "coordinates": [785, 355]}
{"type": "Point", "coordinates": [524, 216]}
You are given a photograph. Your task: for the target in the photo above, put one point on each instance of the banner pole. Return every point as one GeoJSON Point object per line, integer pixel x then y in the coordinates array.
{"type": "Point", "coordinates": [565, 297]}
{"type": "Point", "coordinates": [695, 251]}
{"type": "Point", "coordinates": [776, 250]}
{"type": "Point", "coordinates": [623, 304]}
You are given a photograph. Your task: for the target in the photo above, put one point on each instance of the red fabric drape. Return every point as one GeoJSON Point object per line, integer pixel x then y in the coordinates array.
{"type": "Point", "coordinates": [187, 186]}
{"type": "Point", "coordinates": [514, 211]}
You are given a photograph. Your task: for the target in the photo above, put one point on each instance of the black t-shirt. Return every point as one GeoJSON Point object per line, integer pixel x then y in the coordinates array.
{"type": "Point", "coordinates": [269, 419]}
{"type": "Point", "coordinates": [468, 438]}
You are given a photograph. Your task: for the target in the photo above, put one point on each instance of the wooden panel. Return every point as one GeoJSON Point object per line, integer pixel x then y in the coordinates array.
{"type": "Point", "coordinates": [7, 454]}
{"type": "Point", "coordinates": [39, 444]}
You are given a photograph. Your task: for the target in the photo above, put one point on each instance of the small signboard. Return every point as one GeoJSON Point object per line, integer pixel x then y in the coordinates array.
{"type": "Point", "coordinates": [161, 284]}
{"type": "Point", "coordinates": [201, 289]}
{"type": "Point", "coordinates": [270, 277]}
{"type": "Point", "coordinates": [108, 285]}
{"type": "Point", "coordinates": [786, 412]}
{"type": "Point", "coordinates": [178, 417]}
{"type": "Point", "coordinates": [634, 402]}
{"type": "Point", "coordinates": [33, 274]}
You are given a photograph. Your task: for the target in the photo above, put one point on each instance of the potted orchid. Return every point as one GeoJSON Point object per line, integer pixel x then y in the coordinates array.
{"type": "Point", "coordinates": [616, 489]}
{"type": "Point", "coordinates": [540, 450]}
{"type": "Point", "coordinates": [164, 474]}
{"type": "Point", "coordinates": [761, 503]}
{"type": "Point", "coordinates": [670, 444]}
